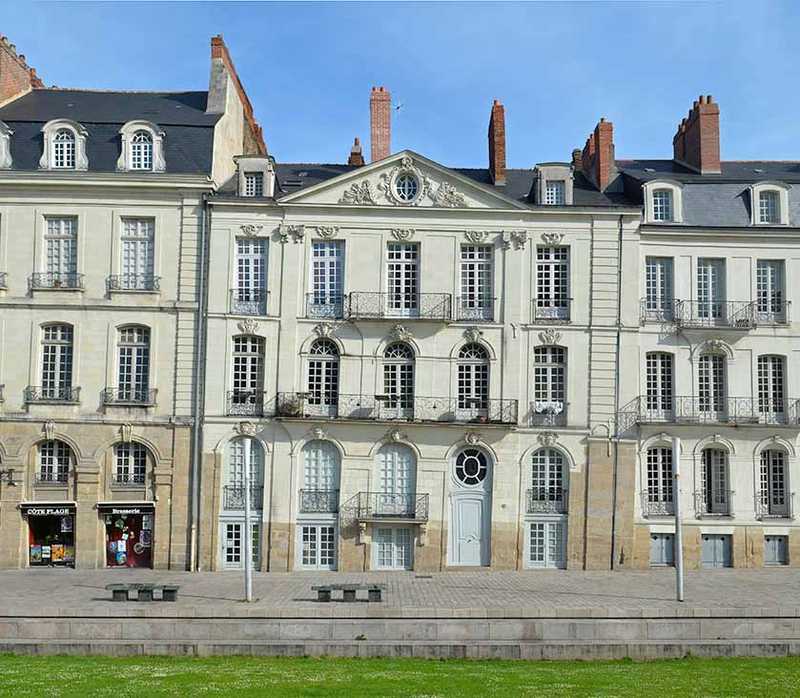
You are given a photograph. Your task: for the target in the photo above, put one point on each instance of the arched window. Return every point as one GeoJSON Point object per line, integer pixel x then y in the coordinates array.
{"type": "Point", "coordinates": [472, 466]}
{"type": "Point", "coordinates": [320, 493]}
{"type": "Point", "coordinates": [63, 156]}
{"type": "Point", "coordinates": [130, 460]}
{"type": "Point", "coordinates": [549, 385]}
{"type": "Point", "coordinates": [133, 384]}
{"type": "Point", "coordinates": [657, 499]}
{"type": "Point", "coordinates": [662, 205]}
{"type": "Point", "coordinates": [323, 378]}
{"type": "Point", "coordinates": [473, 381]}
{"type": "Point", "coordinates": [714, 497]}
{"type": "Point", "coordinates": [711, 391]}
{"type": "Point", "coordinates": [55, 461]}
{"type": "Point", "coordinates": [244, 453]}
{"type": "Point", "coordinates": [549, 490]}
{"type": "Point", "coordinates": [57, 348]}
{"type": "Point", "coordinates": [772, 500]}
{"type": "Point", "coordinates": [398, 381]}
{"type": "Point", "coordinates": [247, 396]}
{"type": "Point", "coordinates": [659, 384]}
{"type": "Point", "coordinates": [397, 481]}
{"type": "Point", "coordinates": [771, 401]}
{"type": "Point", "coordinates": [142, 151]}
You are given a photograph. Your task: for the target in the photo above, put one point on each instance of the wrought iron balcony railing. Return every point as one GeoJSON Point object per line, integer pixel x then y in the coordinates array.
{"type": "Point", "coordinates": [547, 500]}
{"type": "Point", "coordinates": [655, 311]}
{"type": "Point", "coordinates": [123, 479]}
{"type": "Point", "coordinates": [246, 403]}
{"type": "Point", "coordinates": [52, 477]}
{"type": "Point", "coordinates": [248, 301]}
{"type": "Point", "coordinates": [55, 393]}
{"type": "Point", "coordinates": [774, 505]}
{"type": "Point", "coordinates": [737, 315]}
{"type": "Point", "coordinates": [233, 497]}
{"type": "Point", "coordinates": [56, 280]}
{"type": "Point", "coordinates": [477, 308]}
{"type": "Point", "coordinates": [551, 310]}
{"type": "Point", "coordinates": [772, 312]}
{"type": "Point", "coordinates": [657, 504]}
{"type": "Point", "coordinates": [319, 501]}
{"type": "Point", "coordinates": [133, 282]}
{"type": "Point", "coordinates": [376, 506]}
{"type": "Point", "coordinates": [390, 408]}
{"type": "Point", "coordinates": [325, 305]}
{"type": "Point", "coordinates": [713, 503]}
{"type": "Point", "coordinates": [548, 413]}
{"type": "Point", "coordinates": [366, 305]}
{"type": "Point", "coordinates": [139, 397]}
{"type": "Point", "coordinates": [3, 280]}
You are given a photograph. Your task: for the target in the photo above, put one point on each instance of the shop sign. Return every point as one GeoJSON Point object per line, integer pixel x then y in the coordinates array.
{"type": "Point", "coordinates": [48, 511]}
{"type": "Point", "coordinates": [126, 511]}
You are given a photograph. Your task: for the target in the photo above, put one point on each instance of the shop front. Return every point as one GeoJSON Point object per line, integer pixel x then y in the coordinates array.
{"type": "Point", "coordinates": [128, 533]}
{"type": "Point", "coordinates": [51, 533]}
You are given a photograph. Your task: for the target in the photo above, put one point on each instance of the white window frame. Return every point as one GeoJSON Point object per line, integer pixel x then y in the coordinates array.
{"type": "Point", "coordinates": [79, 134]}
{"type": "Point", "coordinates": [57, 361]}
{"type": "Point", "coordinates": [782, 190]}
{"type": "Point", "coordinates": [675, 189]}
{"type": "Point", "coordinates": [125, 162]}
{"type": "Point", "coordinates": [310, 545]}
{"type": "Point", "coordinates": [476, 301]}
{"type": "Point", "coordinates": [130, 463]}
{"type": "Point", "coordinates": [553, 283]}
{"type": "Point", "coordinates": [555, 192]}
{"type": "Point", "coordinates": [553, 526]}
{"type": "Point", "coordinates": [6, 160]}
{"type": "Point", "coordinates": [134, 363]}
{"type": "Point", "coordinates": [378, 557]}
{"type": "Point", "coordinates": [253, 184]}
{"type": "Point", "coordinates": [771, 306]}
{"type": "Point", "coordinates": [326, 280]}
{"type": "Point", "coordinates": [137, 254]}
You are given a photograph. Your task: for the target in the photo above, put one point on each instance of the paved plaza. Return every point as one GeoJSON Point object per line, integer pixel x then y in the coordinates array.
{"type": "Point", "coordinates": [64, 592]}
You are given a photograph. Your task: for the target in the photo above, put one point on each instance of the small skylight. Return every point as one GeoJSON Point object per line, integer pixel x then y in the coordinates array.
{"type": "Point", "coordinates": [758, 170]}
{"type": "Point", "coordinates": [292, 182]}
{"type": "Point", "coordinates": [302, 174]}
{"type": "Point", "coordinates": [649, 169]}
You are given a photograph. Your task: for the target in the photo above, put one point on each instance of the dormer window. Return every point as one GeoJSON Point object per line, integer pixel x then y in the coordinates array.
{"type": "Point", "coordinates": [662, 205]}
{"type": "Point", "coordinates": [255, 176]}
{"type": "Point", "coordinates": [5, 146]}
{"type": "Point", "coordinates": [64, 146]}
{"type": "Point", "coordinates": [769, 207]}
{"type": "Point", "coordinates": [64, 149]}
{"type": "Point", "coordinates": [142, 151]}
{"type": "Point", "coordinates": [769, 203]}
{"type": "Point", "coordinates": [254, 184]}
{"type": "Point", "coordinates": [555, 192]}
{"type": "Point", "coordinates": [141, 148]}
{"type": "Point", "coordinates": [663, 201]}
{"type": "Point", "coordinates": [552, 184]}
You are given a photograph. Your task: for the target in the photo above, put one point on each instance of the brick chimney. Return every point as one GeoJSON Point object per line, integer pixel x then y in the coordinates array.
{"type": "Point", "coordinates": [380, 122]}
{"type": "Point", "coordinates": [356, 158]}
{"type": "Point", "coordinates": [16, 76]}
{"type": "Point", "coordinates": [597, 158]}
{"type": "Point", "coordinates": [497, 144]}
{"type": "Point", "coordinates": [577, 159]}
{"type": "Point", "coordinates": [696, 144]}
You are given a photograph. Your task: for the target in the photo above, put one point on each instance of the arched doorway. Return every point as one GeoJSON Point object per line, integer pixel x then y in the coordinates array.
{"type": "Point", "coordinates": [470, 509]}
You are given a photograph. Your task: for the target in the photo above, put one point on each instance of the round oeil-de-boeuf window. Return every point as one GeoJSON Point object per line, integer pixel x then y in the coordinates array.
{"type": "Point", "coordinates": [471, 466]}
{"type": "Point", "coordinates": [406, 187]}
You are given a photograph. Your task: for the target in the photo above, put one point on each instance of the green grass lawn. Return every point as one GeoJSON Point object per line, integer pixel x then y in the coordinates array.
{"type": "Point", "coordinates": [251, 676]}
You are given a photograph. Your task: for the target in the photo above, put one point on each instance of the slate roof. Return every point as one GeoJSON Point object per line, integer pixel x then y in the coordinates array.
{"type": "Point", "coordinates": [189, 131]}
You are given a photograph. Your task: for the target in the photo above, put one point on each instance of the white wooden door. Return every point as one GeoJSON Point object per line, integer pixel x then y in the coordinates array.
{"type": "Point", "coordinates": [469, 531]}
{"type": "Point", "coordinates": [547, 544]}
{"type": "Point", "coordinates": [392, 548]}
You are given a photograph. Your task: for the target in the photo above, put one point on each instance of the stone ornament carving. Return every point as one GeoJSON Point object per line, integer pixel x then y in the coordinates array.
{"type": "Point", "coordinates": [246, 428]}
{"type": "Point", "coordinates": [473, 438]}
{"type": "Point", "coordinates": [318, 432]}
{"type": "Point", "coordinates": [358, 194]}
{"type": "Point", "coordinates": [403, 234]}
{"type": "Point", "coordinates": [473, 334]}
{"type": "Point", "coordinates": [327, 231]}
{"type": "Point", "coordinates": [400, 333]}
{"type": "Point", "coordinates": [547, 438]}
{"type": "Point", "coordinates": [447, 196]}
{"type": "Point", "coordinates": [294, 232]}
{"type": "Point", "coordinates": [248, 326]}
{"type": "Point", "coordinates": [126, 433]}
{"type": "Point", "coordinates": [476, 237]}
{"type": "Point", "coordinates": [552, 238]}
{"type": "Point", "coordinates": [405, 166]}
{"type": "Point", "coordinates": [515, 239]}
{"type": "Point", "coordinates": [49, 429]}
{"type": "Point", "coordinates": [396, 435]}
{"type": "Point", "coordinates": [324, 329]}
{"type": "Point", "coordinates": [550, 336]}
{"type": "Point", "coordinates": [251, 230]}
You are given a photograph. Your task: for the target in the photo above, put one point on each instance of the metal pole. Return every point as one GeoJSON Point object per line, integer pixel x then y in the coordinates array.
{"type": "Point", "coordinates": [676, 498]}
{"type": "Point", "coordinates": [248, 529]}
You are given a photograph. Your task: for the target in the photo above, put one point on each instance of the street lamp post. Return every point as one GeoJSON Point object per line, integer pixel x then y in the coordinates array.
{"type": "Point", "coordinates": [676, 498]}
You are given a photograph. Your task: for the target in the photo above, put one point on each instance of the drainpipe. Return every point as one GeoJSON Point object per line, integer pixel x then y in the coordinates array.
{"type": "Point", "coordinates": [617, 349]}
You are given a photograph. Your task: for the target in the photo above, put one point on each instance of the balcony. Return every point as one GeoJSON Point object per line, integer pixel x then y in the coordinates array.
{"type": "Point", "coordinates": [654, 504]}
{"type": "Point", "coordinates": [368, 305]}
{"type": "Point", "coordinates": [663, 312]}
{"type": "Point", "coordinates": [380, 506]}
{"type": "Point", "coordinates": [319, 501]}
{"type": "Point", "coordinates": [246, 403]}
{"type": "Point", "coordinates": [132, 480]}
{"type": "Point", "coordinates": [547, 500]}
{"type": "Point", "coordinates": [772, 312]}
{"type": "Point", "coordinates": [66, 281]}
{"type": "Point", "coordinates": [734, 315]}
{"type": "Point", "coordinates": [133, 397]}
{"type": "Point", "coordinates": [52, 394]}
{"type": "Point", "coordinates": [475, 309]}
{"type": "Point", "coordinates": [717, 503]}
{"type": "Point", "coordinates": [133, 282]}
{"type": "Point", "coordinates": [52, 477]}
{"type": "Point", "coordinates": [233, 497]}
{"type": "Point", "coordinates": [774, 505]}
{"type": "Point", "coordinates": [248, 301]}
{"type": "Point", "coordinates": [547, 414]}
{"type": "Point", "coordinates": [396, 408]}
{"type": "Point", "coordinates": [551, 310]}
{"type": "Point", "coordinates": [325, 306]}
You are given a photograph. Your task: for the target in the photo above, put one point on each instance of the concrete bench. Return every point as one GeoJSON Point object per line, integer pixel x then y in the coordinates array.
{"type": "Point", "coordinates": [374, 591]}
{"type": "Point", "coordinates": [144, 592]}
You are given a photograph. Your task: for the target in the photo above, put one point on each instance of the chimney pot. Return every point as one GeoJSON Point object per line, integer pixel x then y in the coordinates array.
{"type": "Point", "coordinates": [497, 144]}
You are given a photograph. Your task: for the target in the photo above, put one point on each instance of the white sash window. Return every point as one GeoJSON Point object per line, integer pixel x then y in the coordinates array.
{"type": "Point", "coordinates": [476, 282]}
{"type": "Point", "coordinates": [402, 278]}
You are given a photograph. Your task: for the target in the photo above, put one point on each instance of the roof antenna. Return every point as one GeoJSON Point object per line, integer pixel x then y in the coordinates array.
{"type": "Point", "coordinates": [397, 106]}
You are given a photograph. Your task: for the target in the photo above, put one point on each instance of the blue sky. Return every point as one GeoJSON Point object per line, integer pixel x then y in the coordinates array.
{"type": "Point", "coordinates": [557, 67]}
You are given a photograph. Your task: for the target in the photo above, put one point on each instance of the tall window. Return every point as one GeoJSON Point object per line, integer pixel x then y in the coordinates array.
{"type": "Point", "coordinates": [398, 381]}
{"type": "Point", "coordinates": [397, 480]}
{"type": "Point", "coordinates": [710, 289]}
{"type": "Point", "coordinates": [244, 453]}
{"type": "Point", "coordinates": [476, 282]}
{"type": "Point", "coordinates": [658, 288]}
{"type": "Point", "coordinates": [327, 274]}
{"type": "Point", "coordinates": [555, 192]}
{"type": "Point", "coordinates": [134, 364]}
{"type": "Point", "coordinates": [61, 251]}
{"type": "Point", "coordinates": [769, 207]}
{"type": "Point", "coordinates": [64, 149]}
{"type": "Point", "coordinates": [55, 459]}
{"type": "Point", "coordinates": [771, 403]}
{"type": "Point", "coordinates": [254, 184]}
{"type": "Point", "coordinates": [402, 278]}
{"type": "Point", "coordinates": [711, 384]}
{"type": "Point", "coordinates": [131, 463]}
{"type": "Point", "coordinates": [715, 495]}
{"type": "Point", "coordinates": [57, 362]}
{"type": "Point", "coordinates": [772, 498]}
{"type": "Point", "coordinates": [142, 151]}
{"type": "Point", "coordinates": [473, 380]}
{"type": "Point", "coordinates": [659, 384]}
{"type": "Point", "coordinates": [321, 466]}
{"type": "Point", "coordinates": [323, 378]}
{"type": "Point", "coordinates": [549, 384]}
{"type": "Point", "coordinates": [248, 374]}
{"type": "Point", "coordinates": [770, 291]}
{"type": "Point", "coordinates": [137, 254]}
{"type": "Point", "coordinates": [662, 205]}
{"type": "Point", "coordinates": [658, 497]}
{"type": "Point", "coordinates": [250, 294]}
{"type": "Point", "coordinates": [552, 278]}
{"type": "Point", "coordinates": [548, 481]}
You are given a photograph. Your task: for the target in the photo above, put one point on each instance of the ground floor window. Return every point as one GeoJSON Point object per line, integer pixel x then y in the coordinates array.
{"type": "Point", "coordinates": [51, 536]}
{"type": "Point", "coordinates": [393, 549]}
{"type": "Point", "coordinates": [716, 550]}
{"type": "Point", "coordinates": [233, 544]}
{"type": "Point", "coordinates": [129, 537]}
{"type": "Point", "coordinates": [776, 550]}
{"type": "Point", "coordinates": [547, 544]}
{"type": "Point", "coordinates": [317, 546]}
{"type": "Point", "coordinates": [662, 550]}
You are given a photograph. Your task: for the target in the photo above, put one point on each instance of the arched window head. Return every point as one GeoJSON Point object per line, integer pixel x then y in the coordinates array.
{"type": "Point", "coordinates": [473, 352]}
{"type": "Point", "coordinates": [324, 347]}
{"type": "Point", "coordinates": [142, 147]}
{"type": "Point", "coordinates": [244, 454]}
{"type": "Point", "coordinates": [769, 203]}
{"type": "Point", "coordinates": [55, 461]}
{"type": "Point", "coordinates": [472, 466]}
{"type": "Point", "coordinates": [399, 351]}
{"type": "Point", "coordinates": [130, 463]}
{"type": "Point", "coordinates": [663, 201]}
{"type": "Point", "coordinates": [64, 146]}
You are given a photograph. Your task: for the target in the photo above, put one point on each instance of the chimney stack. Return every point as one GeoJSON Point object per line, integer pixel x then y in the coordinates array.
{"type": "Point", "coordinates": [696, 144]}
{"type": "Point", "coordinates": [597, 158]}
{"type": "Point", "coordinates": [497, 144]}
{"type": "Point", "coordinates": [380, 117]}
{"type": "Point", "coordinates": [577, 159]}
{"type": "Point", "coordinates": [356, 158]}
{"type": "Point", "coordinates": [16, 76]}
